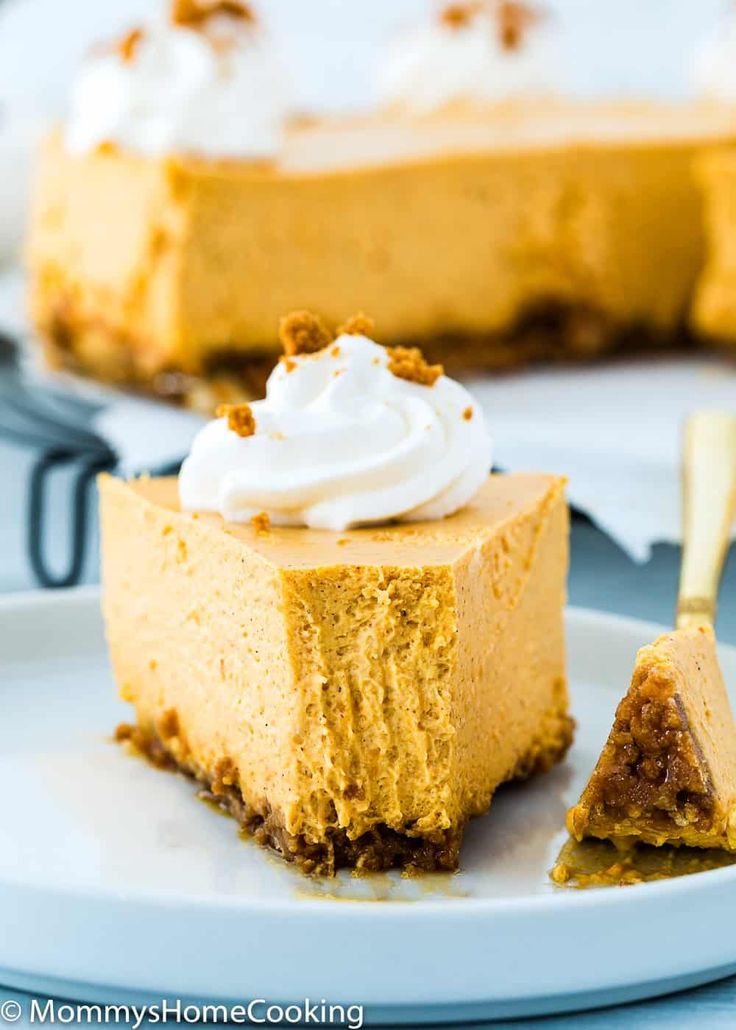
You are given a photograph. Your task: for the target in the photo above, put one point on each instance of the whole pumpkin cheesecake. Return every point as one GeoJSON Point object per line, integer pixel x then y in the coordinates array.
{"type": "Point", "coordinates": [173, 224]}
{"type": "Point", "coordinates": [336, 620]}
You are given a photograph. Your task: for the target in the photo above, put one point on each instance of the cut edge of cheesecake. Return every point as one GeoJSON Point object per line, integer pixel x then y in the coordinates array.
{"type": "Point", "coordinates": [378, 850]}
{"type": "Point", "coordinates": [667, 773]}
{"type": "Point", "coordinates": [156, 679]}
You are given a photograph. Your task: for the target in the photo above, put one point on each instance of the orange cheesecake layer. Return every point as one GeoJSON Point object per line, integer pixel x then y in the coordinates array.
{"type": "Point", "coordinates": [547, 231]}
{"type": "Point", "coordinates": [714, 311]}
{"type": "Point", "coordinates": [347, 688]}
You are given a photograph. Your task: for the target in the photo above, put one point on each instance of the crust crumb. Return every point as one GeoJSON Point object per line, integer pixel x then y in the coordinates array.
{"type": "Point", "coordinates": [239, 417]}
{"type": "Point", "coordinates": [129, 44]}
{"type": "Point", "coordinates": [458, 15]}
{"type": "Point", "coordinates": [303, 332]}
{"type": "Point", "coordinates": [168, 726]}
{"type": "Point", "coordinates": [409, 363]}
{"type": "Point", "coordinates": [358, 325]}
{"type": "Point", "coordinates": [261, 522]}
{"type": "Point", "coordinates": [513, 18]}
{"type": "Point", "coordinates": [468, 413]}
{"type": "Point", "coordinates": [195, 13]}
{"type": "Point", "coordinates": [226, 775]}
{"type": "Point", "coordinates": [124, 731]}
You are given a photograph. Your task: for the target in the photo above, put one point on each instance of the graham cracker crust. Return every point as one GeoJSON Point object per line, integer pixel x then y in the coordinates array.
{"type": "Point", "coordinates": [379, 850]}
{"type": "Point", "coordinates": [548, 331]}
{"type": "Point", "coordinates": [652, 772]}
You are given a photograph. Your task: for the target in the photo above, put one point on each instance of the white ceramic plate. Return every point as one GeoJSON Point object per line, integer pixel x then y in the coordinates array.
{"type": "Point", "coordinates": [115, 882]}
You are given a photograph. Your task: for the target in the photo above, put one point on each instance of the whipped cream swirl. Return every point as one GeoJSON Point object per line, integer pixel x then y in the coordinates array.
{"type": "Point", "coordinates": [441, 64]}
{"type": "Point", "coordinates": [216, 90]}
{"type": "Point", "coordinates": [341, 441]}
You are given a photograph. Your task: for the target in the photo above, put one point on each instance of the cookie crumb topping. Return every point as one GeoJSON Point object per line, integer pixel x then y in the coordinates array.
{"type": "Point", "coordinates": [409, 363]}
{"type": "Point", "coordinates": [128, 46]}
{"type": "Point", "coordinates": [195, 13]}
{"type": "Point", "coordinates": [303, 332]}
{"type": "Point", "coordinates": [513, 18]}
{"type": "Point", "coordinates": [358, 325]}
{"type": "Point", "coordinates": [458, 15]}
{"type": "Point", "coordinates": [468, 413]}
{"type": "Point", "coordinates": [261, 522]}
{"type": "Point", "coordinates": [239, 417]}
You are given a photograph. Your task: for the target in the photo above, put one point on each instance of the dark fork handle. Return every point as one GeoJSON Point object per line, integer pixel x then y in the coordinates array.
{"type": "Point", "coordinates": [87, 468]}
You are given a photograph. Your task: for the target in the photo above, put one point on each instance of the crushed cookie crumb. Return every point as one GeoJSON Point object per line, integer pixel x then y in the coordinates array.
{"type": "Point", "coordinates": [123, 732]}
{"type": "Point", "coordinates": [513, 18]}
{"type": "Point", "coordinates": [561, 873]}
{"type": "Point", "coordinates": [168, 726]}
{"type": "Point", "coordinates": [335, 351]}
{"type": "Point", "coordinates": [409, 363]}
{"type": "Point", "coordinates": [303, 332]}
{"type": "Point", "coordinates": [459, 15]}
{"type": "Point", "coordinates": [226, 775]}
{"type": "Point", "coordinates": [261, 522]}
{"type": "Point", "coordinates": [195, 13]}
{"type": "Point", "coordinates": [240, 418]}
{"type": "Point", "coordinates": [288, 363]}
{"type": "Point", "coordinates": [468, 413]}
{"type": "Point", "coordinates": [128, 45]}
{"type": "Point", "coordinates": [357, 325]}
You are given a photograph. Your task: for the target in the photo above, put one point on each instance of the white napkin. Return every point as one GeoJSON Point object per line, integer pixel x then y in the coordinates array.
{"type": "Point", "coordinates": [146, 435]}
{"type": "Point", "coordinates": [615, 430]}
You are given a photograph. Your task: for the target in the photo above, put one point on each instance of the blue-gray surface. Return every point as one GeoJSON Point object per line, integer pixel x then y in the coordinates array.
{"type": "Point", "coordinates": [601, 577]}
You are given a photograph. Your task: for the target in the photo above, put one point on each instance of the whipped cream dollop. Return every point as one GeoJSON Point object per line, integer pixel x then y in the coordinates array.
{"type": "Point", "coordinates": [342, 441]}
{"type": "Point", "coordinates": [214, 89]}
{"type": "Point", "coordinates": [468, 54]}
{"type": "Point", "coordinates": [714, 64]}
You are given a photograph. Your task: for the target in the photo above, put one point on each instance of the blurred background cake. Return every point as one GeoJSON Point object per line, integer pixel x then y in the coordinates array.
{"type": "Point", "coordinates": [475, 201]}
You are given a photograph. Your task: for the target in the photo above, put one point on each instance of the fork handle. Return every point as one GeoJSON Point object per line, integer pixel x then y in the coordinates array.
{"type": "Point", "coordinates": [709, 504]}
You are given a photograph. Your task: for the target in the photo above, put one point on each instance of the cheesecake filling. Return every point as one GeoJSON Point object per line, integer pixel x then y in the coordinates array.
{"type": "Point", "coordinates": [205, 82]}
{"type": "Point", "coordinates": [471, 53]}
{"type": "Point", "coordinates": [350, 434]}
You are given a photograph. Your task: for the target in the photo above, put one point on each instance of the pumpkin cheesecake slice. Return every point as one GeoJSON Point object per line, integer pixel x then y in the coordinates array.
{"type": "Point", "coordinates": [667, 774]}
{"type": "Point", "coordinates": [336, 620]}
